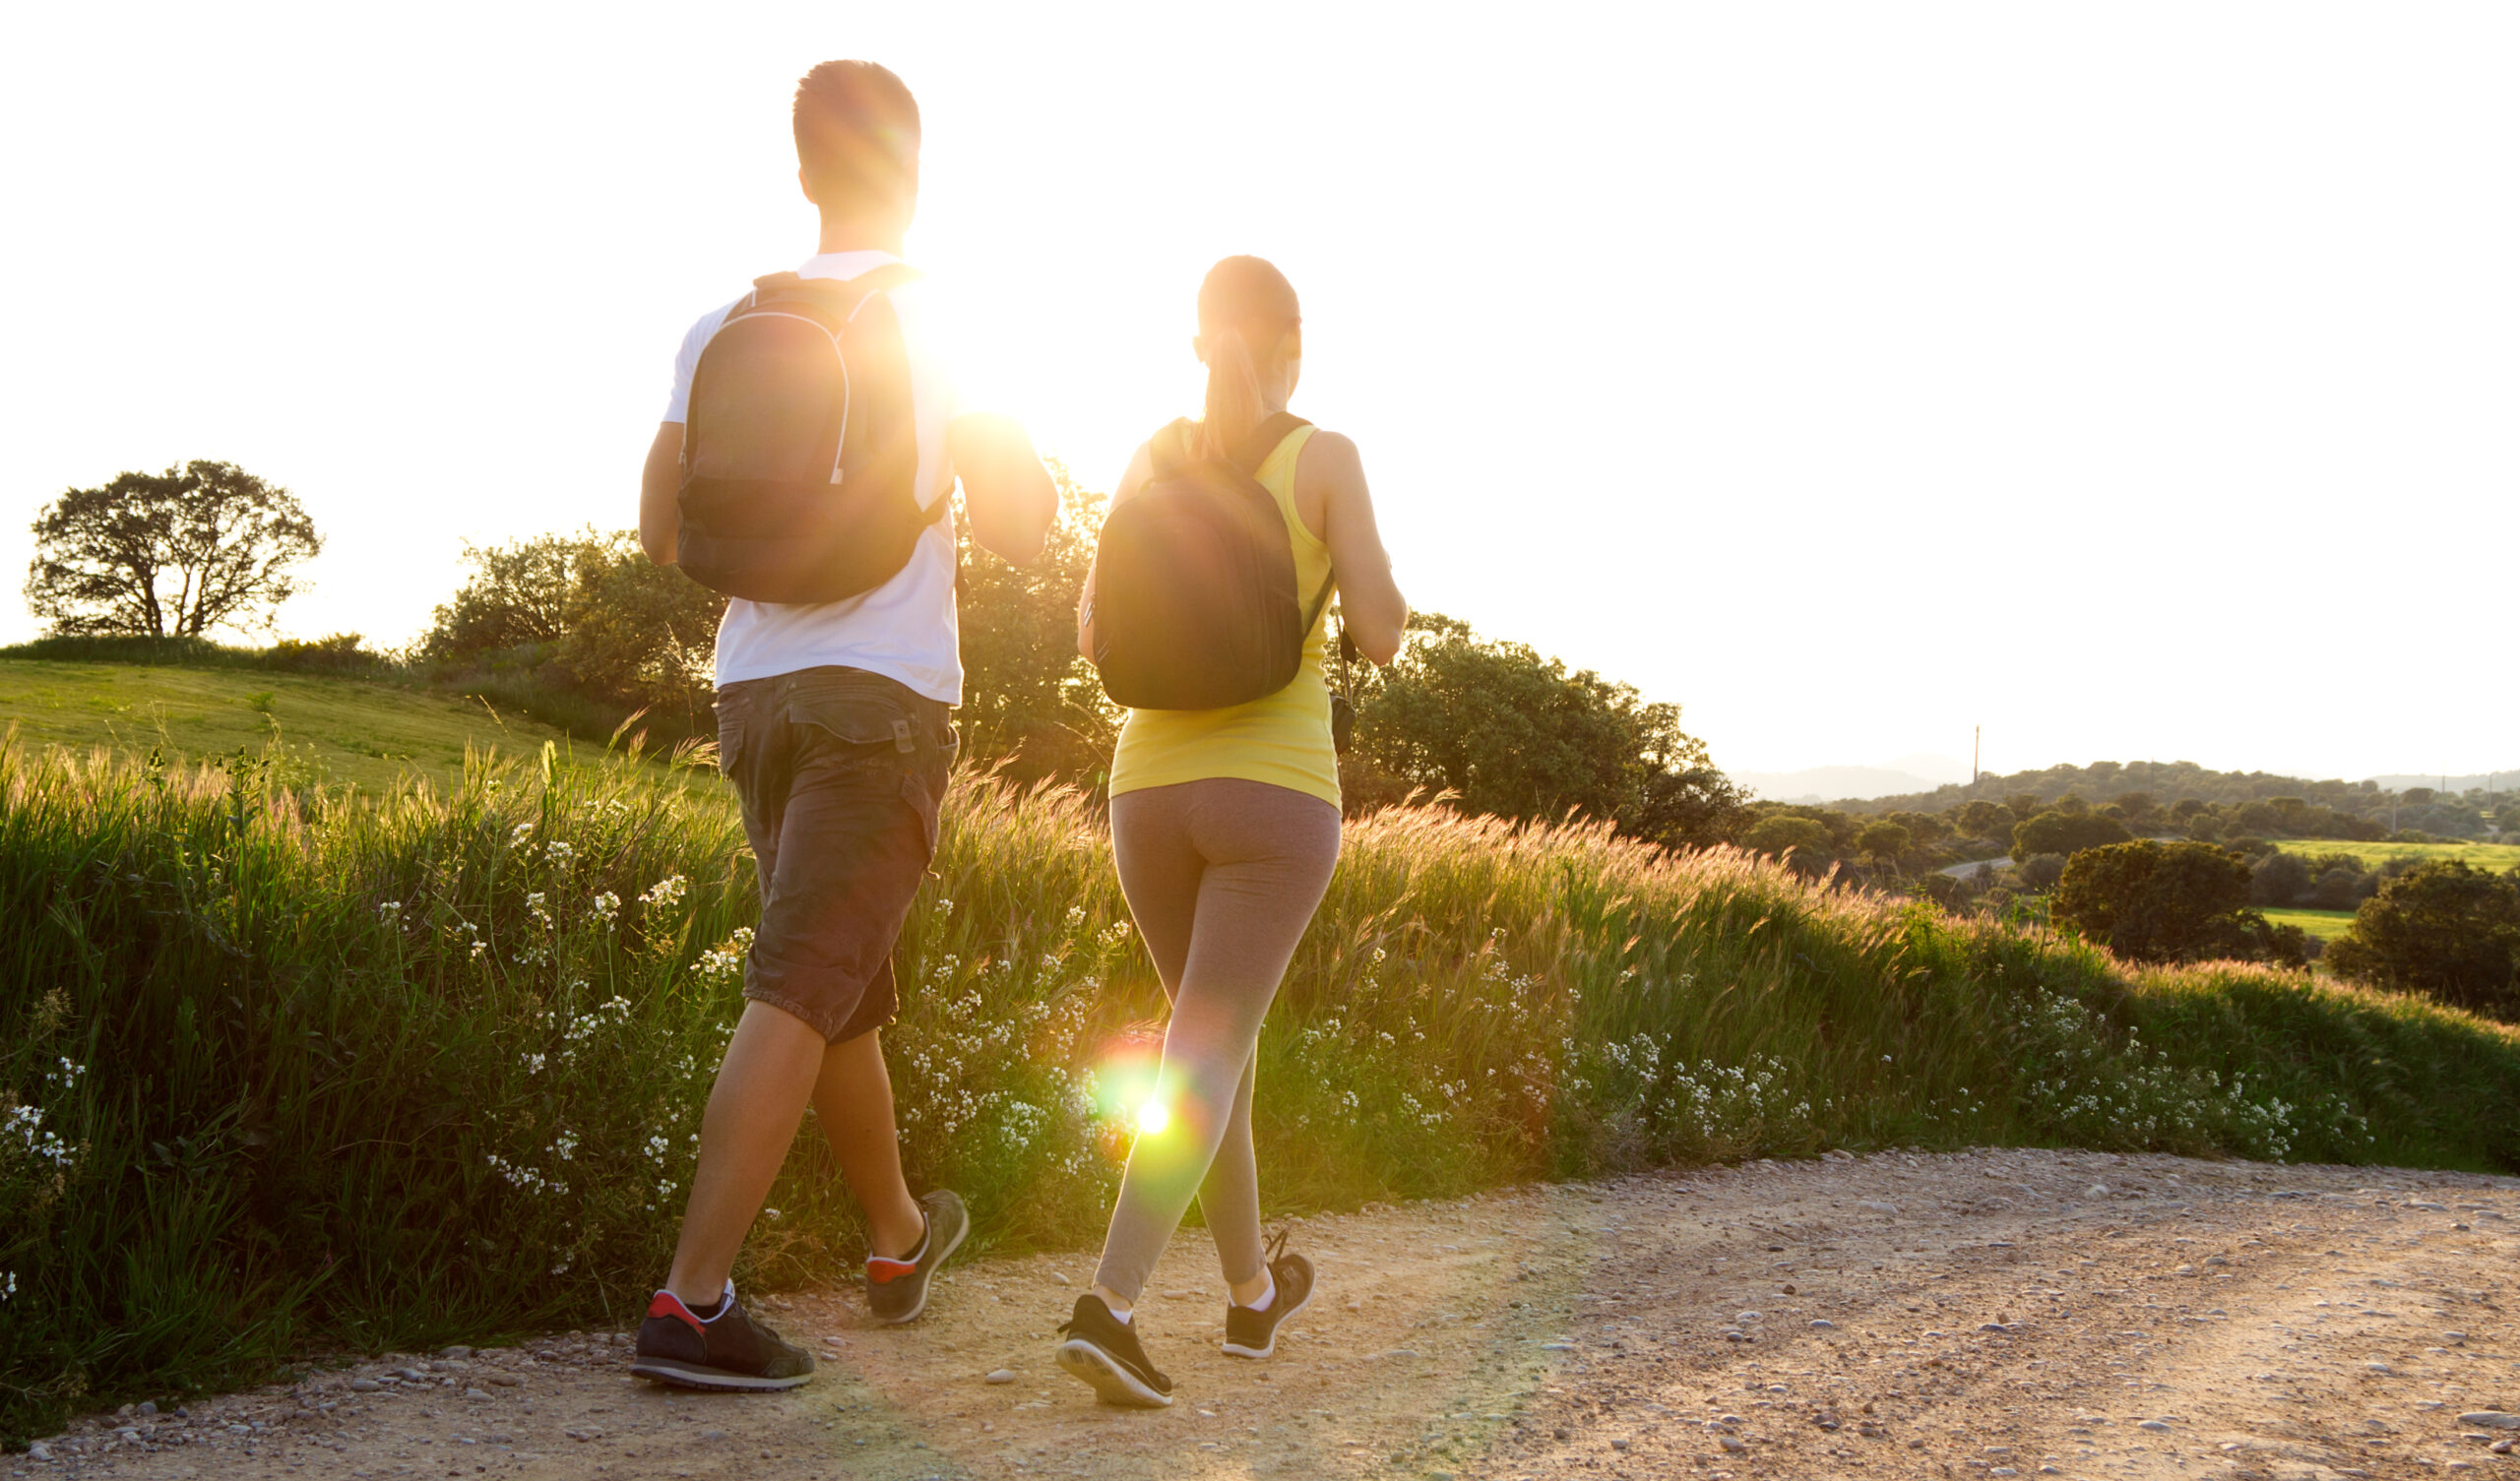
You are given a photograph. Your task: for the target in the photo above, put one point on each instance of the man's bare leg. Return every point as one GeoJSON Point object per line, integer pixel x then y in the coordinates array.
{"type": "Point", "coordinates": [854, 1100]}
{"type": "Point", "coordinates": [769, 1072]}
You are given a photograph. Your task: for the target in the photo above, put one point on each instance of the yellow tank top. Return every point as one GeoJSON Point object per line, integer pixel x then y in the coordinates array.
{"type": "Point", "coordinates": [1284, 739]}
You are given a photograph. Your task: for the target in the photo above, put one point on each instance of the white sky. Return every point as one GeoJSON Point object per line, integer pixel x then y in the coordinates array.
{"type": "Point", "coordinates": [2136, 380]}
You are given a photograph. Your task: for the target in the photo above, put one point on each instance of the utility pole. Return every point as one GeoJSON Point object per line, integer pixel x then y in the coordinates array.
{"type": "Point", "coordinates": [1976, 734]}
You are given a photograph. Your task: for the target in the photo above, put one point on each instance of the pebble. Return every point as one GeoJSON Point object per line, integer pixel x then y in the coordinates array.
{"type": "Point", "coordinates": [1823, 1324]}
{"type": "Point", "coordinates": [1000, 1376]}
{"type": "Point", "coordinates": [2490, 1419]}
{"type": "Point", "coordinates": [1733, 1445]}
{"type": "Point", "coordinates": [2377, 1366]}
{"type": "Point", "coordinates": [1618, 1444]}
{"type": "Point", "coordinates": [39, 1452]}
{"type": "Point", "coordinates": [147, 1407]}
{"type": "Point", "coordinates": [456, 1352]}
{"type": "Point", "coordinates": [367, 1386]}
{"type": "Point", "coordinates": [2095, 1190]}
{"type": "Point", "coordinates": [1877, 1207]}
{"type": "Point", "coordinates": [477, 1394]}
{"type": "Point", "coordinates": [2154, 1425]}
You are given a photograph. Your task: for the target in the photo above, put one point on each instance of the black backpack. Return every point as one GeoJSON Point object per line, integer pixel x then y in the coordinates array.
{"type": "Point", "coordinates": [799, 451]}
{"type": "Point", "coordinates": [1195, 605]}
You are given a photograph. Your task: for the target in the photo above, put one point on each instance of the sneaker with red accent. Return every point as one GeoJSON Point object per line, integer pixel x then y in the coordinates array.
{"type": "Point", "coordinates": [897, 1289]}
{"type": "Point", "coordinates": [727, 1349]}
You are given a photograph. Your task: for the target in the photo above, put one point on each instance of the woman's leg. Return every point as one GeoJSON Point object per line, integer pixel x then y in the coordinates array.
{"type": "Point", "coordinates": [1268, 853]}
{"type": "Point", "coordinates": [1230, 1195]}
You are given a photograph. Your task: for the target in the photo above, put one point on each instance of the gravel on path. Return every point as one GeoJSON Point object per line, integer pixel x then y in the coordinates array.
{"type": "Point", "coordinates": [1998, 1313]}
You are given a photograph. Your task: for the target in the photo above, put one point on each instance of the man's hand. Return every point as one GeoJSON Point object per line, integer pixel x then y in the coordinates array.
{"type": "Point", "coordinates": [1008, 493]}
{"type": "Point", "coordinates": [659, 521]}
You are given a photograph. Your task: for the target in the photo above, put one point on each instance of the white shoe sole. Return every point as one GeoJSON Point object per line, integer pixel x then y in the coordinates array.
{"type": "Point", "coordinates": [1236, 1350]}
{"type": "Point", "coordinates": [1114, 1384]}
{"type": "Point", "coordinates": [683, 1375]}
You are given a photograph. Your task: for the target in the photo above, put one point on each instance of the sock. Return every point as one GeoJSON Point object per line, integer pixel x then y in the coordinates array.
{"type": "Point", "coordinates": [1123, 1318]}
{"type": "Point", "coordinates": [711, 1311]}
{"type": "Point", "coordinates": [920, 1253]}
{"type": "Point", "coordinates": [1267, 1299]}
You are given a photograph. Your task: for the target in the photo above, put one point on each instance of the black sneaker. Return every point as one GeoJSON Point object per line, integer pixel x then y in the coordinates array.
{"type": "Point", "coordinates": [729, 1351]}
{"type": "Point", "coordinates": [897, 1289]}
{"type": "Point", "coordinates": [1104, 1351]}
{"type": "Point", "coordinates": [1252, 1332]}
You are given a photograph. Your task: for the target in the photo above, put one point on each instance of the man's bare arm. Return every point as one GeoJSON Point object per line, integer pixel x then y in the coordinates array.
{"type": "Point", "coordinates": [658, 482]}
{"type": "Point", "coordinates": [1008, 493]}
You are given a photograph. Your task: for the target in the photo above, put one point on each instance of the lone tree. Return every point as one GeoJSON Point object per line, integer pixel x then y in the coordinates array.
{"type": "Point", "coordinates": [170, 554]}
{"type": "Point", "coordinates": [2443, 929]}
{"type": "Point", "coordinates": [2154, 901]}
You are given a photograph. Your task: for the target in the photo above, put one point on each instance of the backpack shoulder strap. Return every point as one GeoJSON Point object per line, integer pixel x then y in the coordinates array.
{"type": "Point", "coordinates": [1264, 439]}
{"type": "Point", "coordinates": [838, 297]}
{"type": "Point", "coordinates": [1168, 450]}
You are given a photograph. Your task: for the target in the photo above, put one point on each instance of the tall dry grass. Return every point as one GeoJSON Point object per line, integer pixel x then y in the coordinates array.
{"type": "Point", "coordinates": [284, 1070]}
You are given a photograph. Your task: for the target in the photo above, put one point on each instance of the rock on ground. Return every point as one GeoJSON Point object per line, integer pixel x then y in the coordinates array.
{"type": "Point", "coordinates": [2020, 1313]}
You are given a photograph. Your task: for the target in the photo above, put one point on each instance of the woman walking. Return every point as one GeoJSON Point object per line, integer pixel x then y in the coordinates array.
{"type": "Point", "coordinates": [1225, 825]}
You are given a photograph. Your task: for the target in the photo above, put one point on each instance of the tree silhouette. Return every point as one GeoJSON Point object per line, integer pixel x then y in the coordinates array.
{"type": "Point", "coordinates": [170, 554]}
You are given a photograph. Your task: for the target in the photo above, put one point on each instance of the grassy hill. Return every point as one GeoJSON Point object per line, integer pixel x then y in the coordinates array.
{"type": "Point", "coordinates": [362, 733]}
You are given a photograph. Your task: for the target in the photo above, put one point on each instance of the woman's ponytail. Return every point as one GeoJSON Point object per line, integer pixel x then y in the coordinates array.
{"type": "Point", "coordinates": [1247, 314]}
{"type": "Point", "coordinates": [1233, 408]}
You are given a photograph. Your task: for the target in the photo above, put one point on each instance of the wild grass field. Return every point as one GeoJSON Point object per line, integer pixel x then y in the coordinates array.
{"type": "Point", "coordinates": [284, 1069]}
{"type": "Point", "coordinates": [2325, 925]}
{"type": "Point", "coordinates": [2494, 856]}
{"type": "Point", "coordinates": [366, 735]}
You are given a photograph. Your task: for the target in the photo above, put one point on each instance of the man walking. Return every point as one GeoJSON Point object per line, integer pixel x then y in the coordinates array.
{"type": "Point", "coordinates": [837, 669]}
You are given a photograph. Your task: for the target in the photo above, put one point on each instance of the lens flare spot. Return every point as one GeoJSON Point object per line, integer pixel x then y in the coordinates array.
{"type": "Point", "coordinates": [1153, 1118]}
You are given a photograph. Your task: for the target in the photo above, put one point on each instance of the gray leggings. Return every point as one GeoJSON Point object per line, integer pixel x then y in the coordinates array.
{"type": "Point", "coordinates": [1222, 876]}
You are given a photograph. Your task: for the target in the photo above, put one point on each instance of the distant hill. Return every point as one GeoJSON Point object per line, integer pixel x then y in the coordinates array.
{"type": "Point", "coordinates": [1919, 773]}
{"type": "Point", "coordinates": [2165, 781]}
{"type": "Point", "coordinates": [1829, 783]}
{"type": "Point", "coordinates": [2497, 782]}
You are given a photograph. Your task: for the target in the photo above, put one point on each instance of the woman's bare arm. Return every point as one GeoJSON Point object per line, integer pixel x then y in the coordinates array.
{"type": "Point", "coordinates": [1331, 477]}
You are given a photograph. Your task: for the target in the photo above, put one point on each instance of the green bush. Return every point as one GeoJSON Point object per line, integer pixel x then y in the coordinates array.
{"type": "Point", "coordinates": [286, 1069]}
{"type": "Point", "coordinates": [2151, 902]}
{"type": "Point", "coordinates": [2059, 831]}
{"type": "Point", "coordinates": [2443, 929]}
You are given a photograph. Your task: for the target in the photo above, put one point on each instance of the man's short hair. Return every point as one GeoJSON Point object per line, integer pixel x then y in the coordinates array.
{"type": "Point", "coordinates": [856, 133]}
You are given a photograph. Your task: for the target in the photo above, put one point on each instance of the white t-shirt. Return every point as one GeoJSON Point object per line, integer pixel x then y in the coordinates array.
{"type": "Point", "coordinates": [904, 628]}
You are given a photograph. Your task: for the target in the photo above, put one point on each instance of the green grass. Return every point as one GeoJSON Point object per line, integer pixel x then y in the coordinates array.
{"type": "Point", "coordinates": [2494, 856]}
{"type": "Point", "coordinates": [283, 1070]}
{"type": "Point", "coordinates": [364, 734]}
{"type": "Point", "coordinates": [2325, 925]}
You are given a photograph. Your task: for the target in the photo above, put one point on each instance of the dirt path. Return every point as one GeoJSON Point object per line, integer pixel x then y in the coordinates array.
{"type": "Point", "coordinates": [1985, 1314]}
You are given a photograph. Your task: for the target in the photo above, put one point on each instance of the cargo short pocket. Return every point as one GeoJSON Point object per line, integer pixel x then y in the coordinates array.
{"type": "Point", "coordinates": [924, 794]}
{"type": "Point", "coordinates": [876, 722]}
